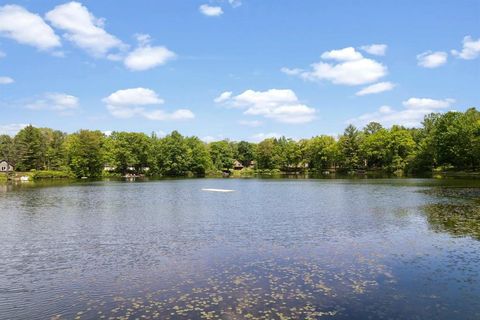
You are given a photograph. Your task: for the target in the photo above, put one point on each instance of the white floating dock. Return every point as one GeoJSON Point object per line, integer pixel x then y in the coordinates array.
{"type": "Point", "coordinates": [217, 190]}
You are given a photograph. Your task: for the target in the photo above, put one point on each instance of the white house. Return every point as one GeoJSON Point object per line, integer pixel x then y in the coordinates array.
{"type": "Point", "coordinates": [5, 166]}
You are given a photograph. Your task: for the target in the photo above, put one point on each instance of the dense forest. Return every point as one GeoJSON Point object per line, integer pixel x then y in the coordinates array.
{"type": "Point", "coordinates": [448, 140]}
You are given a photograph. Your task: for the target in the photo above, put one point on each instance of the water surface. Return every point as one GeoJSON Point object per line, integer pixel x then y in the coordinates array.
{"type": "Point", "coordinates": [273, 249]}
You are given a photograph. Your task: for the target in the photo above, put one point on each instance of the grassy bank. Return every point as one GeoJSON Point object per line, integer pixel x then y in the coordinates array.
{"type": "Point", "coordinates": [36, 175]}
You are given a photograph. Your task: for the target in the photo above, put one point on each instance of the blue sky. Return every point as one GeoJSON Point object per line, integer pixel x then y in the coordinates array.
{"type": "Point", "coordinates": [235, 69]}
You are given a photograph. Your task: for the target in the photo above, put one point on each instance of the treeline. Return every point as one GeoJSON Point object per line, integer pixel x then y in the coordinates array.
{"type": "Point", "coordinates": [449, 140]}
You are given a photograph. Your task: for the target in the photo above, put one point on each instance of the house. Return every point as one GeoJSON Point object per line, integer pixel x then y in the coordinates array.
{"type": "Point", "coordinates": [5, 166]}
{"type": "Point", "coordinates": [237, 165]}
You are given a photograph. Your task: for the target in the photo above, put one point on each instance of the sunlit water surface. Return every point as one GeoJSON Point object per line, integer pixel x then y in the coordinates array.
{"type": "Point", "coordinates": [272, 249]}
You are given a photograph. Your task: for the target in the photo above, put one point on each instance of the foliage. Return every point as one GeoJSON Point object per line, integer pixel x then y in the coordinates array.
{"type": "Point", "coordinates": [29, 148]}
{"type": "Point", "coordinates": [222, 154]}
{"type": "Point", "coordinates": [84, 151]}
{"type": "Point", "coordinates": [449, 140]}
{"type": "Point", "coordinates": [129, 151]}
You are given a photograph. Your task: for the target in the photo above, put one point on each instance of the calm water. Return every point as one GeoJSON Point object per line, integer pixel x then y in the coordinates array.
{"type": "Point", "coordinates": [273, 249]}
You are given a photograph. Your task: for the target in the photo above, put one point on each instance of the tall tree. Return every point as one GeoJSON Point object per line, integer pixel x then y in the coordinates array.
{"type": "Point", "coordinates": [85, 153]}
{"type": "Point", "coordinates": [30, 149]}
{"type": "Point", "coordinates": [126, 150]}
{"type": "Point", "coordinates": [7, 148]}
{"type": "Point", "coordinates": [321, 152]}
{"type": "Point", "coordinates": [246, 152]}
{"type": "Point", "coordinates": [199, 161]}
{"type": "Point", "coordinates": [222, 154]}
{"type": "Point", "coordinates": [349, 144]}
{"type": "Point", "coordinates": [173, 156]}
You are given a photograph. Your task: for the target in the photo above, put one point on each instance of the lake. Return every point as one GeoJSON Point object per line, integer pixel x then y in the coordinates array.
{"type": "Point", "coordinates": [272, 249]}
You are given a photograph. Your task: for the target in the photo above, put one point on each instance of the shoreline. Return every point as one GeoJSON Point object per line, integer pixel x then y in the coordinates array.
{"type": "Point", "coordinates": [38, 176]}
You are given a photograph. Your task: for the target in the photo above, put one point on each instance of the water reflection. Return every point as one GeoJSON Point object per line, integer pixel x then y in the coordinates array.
{"type": "Point", "coordinates": [273, 249]}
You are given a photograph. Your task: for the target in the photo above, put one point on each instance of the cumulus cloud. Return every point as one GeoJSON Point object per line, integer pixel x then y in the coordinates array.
{"type": "Point", "coordinates": [6, 80]}
{"type": "Point", "coordinates": [419, 103]}
{"type": "Point", "coordinates": [134, 96]}
{"type": "Point", "coordinates": [55, 101]}
{"type": "Point", "coordinates": [25, 27]}
{"type": "Point", "coordinates": [431, 59]}
{"type": "Point", "coordinates": [415, 109]}
{"type": "Point", "coordinates": [350, 68]}
{"type": "Point", "coordinates": [281, 105]}
{"type": "Point", "coordinates": [132, 102]}
{"type": "Point", "coordinates": [376, 88]}
{"type": "Point", "coordinates": [224, 96]}
{"type": "Point", "coordinates": [345, 54]}
{"type": "Point", "coordinates": [83, 29]}
{"type": "Point", "coordinates": [145, 56]}
{"type": "Point", "coordinates": [375, 49]}
{"type": "Point", "coordinates": [12, 128]}
{"type": "Point", "coordinates": [470, 50]}
{"type": "Point", "coordinates": [211, 11]}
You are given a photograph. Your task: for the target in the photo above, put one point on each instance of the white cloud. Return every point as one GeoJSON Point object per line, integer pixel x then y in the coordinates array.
{"type": "Point", "coordinates": [6, 80]}
{"type": "Point", "coordinates": [211, 11]}
{"type": "Point", "coordinates": [83, 29]}
{"type": "Point", "coordinates": [134, 96]}
{"type": "Point", "coordinates": [27, 28]}
{"type": "Point", "coordinates": [431, 59]}
{"type": "Point", "coordinates": [223, 97]}
{"type": "Point", "coordinates": [345, 54]}
{"type": "Point", "coordinates": [427, 103]}
{"type": "Point", "coordinates": [145, 56]}
{"type": "Point", "coordinates": [180, 114]}
{"type": "Point", "coordinates": [376, 88]}
{"type": "Point", "coordinates": [411, 116]}
{"type": "Point", "coordinates": [375, 49]}
{"type": "Point", "coordinates": [129, 103]}
{"type": "Point", "coordinates": [278, 104]}
{"type": "Point", "coordinates": [352, 68]}
{"type": "Point", "coordinates": [61, 102]}
{"type": "Point", "coordinates": [262, 136]}
{"type": "Point", "coordinates": [292, 72]}
{"type": "Point", "coordinates": [235, 3]}
{"type": "Point", "coordinates": [252, 123]}
{"type": "Point", "coordinates": [12, 128]}
{"type": "Point", "coordinates": [470, 50]}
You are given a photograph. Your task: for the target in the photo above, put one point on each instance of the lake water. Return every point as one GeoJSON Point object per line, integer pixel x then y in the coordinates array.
{"type": "Point", "coordinates": [272, 249]}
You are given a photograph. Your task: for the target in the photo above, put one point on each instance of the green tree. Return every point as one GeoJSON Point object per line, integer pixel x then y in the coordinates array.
{"type": "Point", "coordinates": [349, 146]}
{"type": "Point", "coordinates": [126, 150]}
{"type": "Point", "coordinates": [222, 154]}
{"type": "Point", "coordinates": [54, 149]}
{"type": "Point", "coordinates": [7, 148]}
{"type": "Point", "coordinates": [373, 147]}
{"type": "Point", "coordinates": [288, 154]}
{"type": "Point", "coordinates": [267, 154]}
{"type": "Point", "coordinates": [84, 151]}
{"type": "Point", "coordinates": [30, 149]}
{"type": "Point", "coordinates": [199, 160]}
{"type": "Point", "coordinates": [246, 152]}
{"type": "Point", "coordinates": [321, 152]}
{"type": "Point", "coordinates": [173, 156]}
{"type": "Point", "coordinates": [400, 149]}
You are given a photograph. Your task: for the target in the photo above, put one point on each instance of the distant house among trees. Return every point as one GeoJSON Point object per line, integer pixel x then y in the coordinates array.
{"type": "Point", "coordinates": [237, 165]}
{"type": "Point", "coordinates": [5, 166]}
